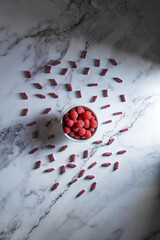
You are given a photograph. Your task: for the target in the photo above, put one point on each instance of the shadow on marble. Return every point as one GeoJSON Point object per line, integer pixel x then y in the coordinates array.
{"type": "Point", "coordinates": [48, 131]}
{"type": "Point", "coordinates": [129, 26]}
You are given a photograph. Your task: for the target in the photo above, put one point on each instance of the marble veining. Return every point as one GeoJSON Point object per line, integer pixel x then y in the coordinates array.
{"type": "Point", "coordinates": [125, 204]}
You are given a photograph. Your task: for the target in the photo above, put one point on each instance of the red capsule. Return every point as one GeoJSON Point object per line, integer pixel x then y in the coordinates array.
{"type": "Point", "coordinates": [71, 165]}
{"type": "Point", "coordinates": [34, 150]}
{"type": "Point", "coordinates": [81, 173]}
{"type": "Point", "coordinates": [25, 112]}
{"type": "Point", "coordinates": [73, 181]}
{"type": "Point", "coordinates": [63, 148]}
{"type": "Point", "coordinates": [109, 121]}
{"type": "Point", "coordinates": [121, 152]}
{"type": "Point", "coordinates": [47, 110]}
{"type": "Point", "coordinates": [64, 71]}
{"type": "Point", "coordinates": [80, 193]}
{"type": "Point", "coordinates": [94, 98]}
{"type": "Point", "coordinates": [98, 141]}
{"type": "Point", "coordinates": [79, 94]}
{"type": "Point", "coordinates": [54, 95]}
{"type": "Point", "coordinates": [89, 177]}
{"type": "Point", "coordinates": [118, 80]}
{"type": "Point", "coordinates": [86, 154]}
{"type": "Point", "coordinates": [86, 71]}
{"type": "Point", "coordinates": [48, 123]}
{"type": "Point", "coordinates": [62, 169]}
{"type": "Point", "coordinates": [92, 165]}
{"type": "Point", "coordinates": [69, 87]}
{"type": "Point", "coordinates": [38, 85]}
{"type": "Point", "coordinates": [110, 141]}
{"type": "Point", "coordinates": [93, 186]}
{"type": "Point", "coordinates": [74, 65]}
{"type": "Point", "coordinates": [40, 95]}
{"type": "Point", "coordinates": [117, 113]}
{"type": "Point", "coordinates": [51, 136]}
{"type": "Point", "coordinates": [124, 130]}
{"type": "Point", "coordinates": [51, 157]}
{"type": "Point", "coordinates": [24, 96]}
{"type": "Point", "coordinates": [73, 158]}
{"type": "Point", "coordinates": [92, 84]}
{"type": "Point", "coordinates": [53, 82]}
{"type": "Point", "coordinates": [113, 62]}
{"type": "Point", "coordinates": [35, 134]}
{"type": "Point", "coordinates": [49, 170]}
{"type": "Point", "coordinates": [50, 146]}
{"type": "Point", "coordinates": [105, 93]}
{"type": "Point", "coordinates": [55, 63]}
{"type": "Point", "coordinates": [104, 72]}
{"type": "Point", "coordinates": [106, 106]}
{"type": "Point", "coordinates": [31, 123]}
{"type": "Point", "coordinates": [55, 186]}
{"type": "Point", "coordinates": [97, 62]}
{"type": "Point", "coordinates": [28, 74]}
{"type": "Point", "coordinates": [38, 164]}
{"type": "Point", "coordinates": [106, 164]}
{"type": "Point", "coordinates": [116, 165]}
{"type": "Point", "coordinates": [48, 69]}
{"type": "Point", "coordinates": [83, 55]}
{"type": "Point", "coordinates": [123, 99]}
{"type": "Point", "coordinates": [107, 154]}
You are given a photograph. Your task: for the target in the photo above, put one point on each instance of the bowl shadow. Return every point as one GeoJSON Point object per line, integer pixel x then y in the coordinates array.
{"type": "Point", "coordinates": [47, 131]}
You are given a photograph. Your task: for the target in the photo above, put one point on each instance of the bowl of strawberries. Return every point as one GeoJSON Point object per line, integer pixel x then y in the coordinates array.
{"type": "Point", "coordinates": [79, 123]}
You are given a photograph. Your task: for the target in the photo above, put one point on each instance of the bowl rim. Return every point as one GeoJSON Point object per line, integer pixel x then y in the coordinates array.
{"type": "Point", "coordinates": [79, 140]}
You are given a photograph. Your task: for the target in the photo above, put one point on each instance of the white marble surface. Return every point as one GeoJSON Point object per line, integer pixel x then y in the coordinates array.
{"type": "Point", "coordinates": [125, 204]}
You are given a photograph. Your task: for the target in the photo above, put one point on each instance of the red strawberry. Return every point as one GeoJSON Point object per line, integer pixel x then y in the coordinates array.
{"type": "Point", "coordinates": [92, 130]}
{"type": "Point", "coordinates": [72, 110]}
{"type": "Point", "coordinates": [80, 124]}
{"type": "Point", "coordinates": [67, 130]}
{"type": "Point", "coordinates": [93, 124]}
{"type": "Point", "coordinates": [87, 115]}
{"type": "Point", "coordinates": [66, 117]}
{"type": "Point", "coordinates": [70, 123]}
{"type": "Point", "coordinates": [72, 134]}
{"type": "Point", "coordinates": [77, 136]}
{"type": "Point", "coordinates": [75, 129]}
{"type": "Point", "coordinates": [88, 134]}
{"type": "Point", "coordinates": [92, 118]}
{"type": "Point", "coordinates": [82, 131]}
{"type": "Point", "coordinates": [80, 110]}
{"type": "Point", "coordinates": [74, 115]}
{"type": "Point", "coordinates": [86, 123]}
